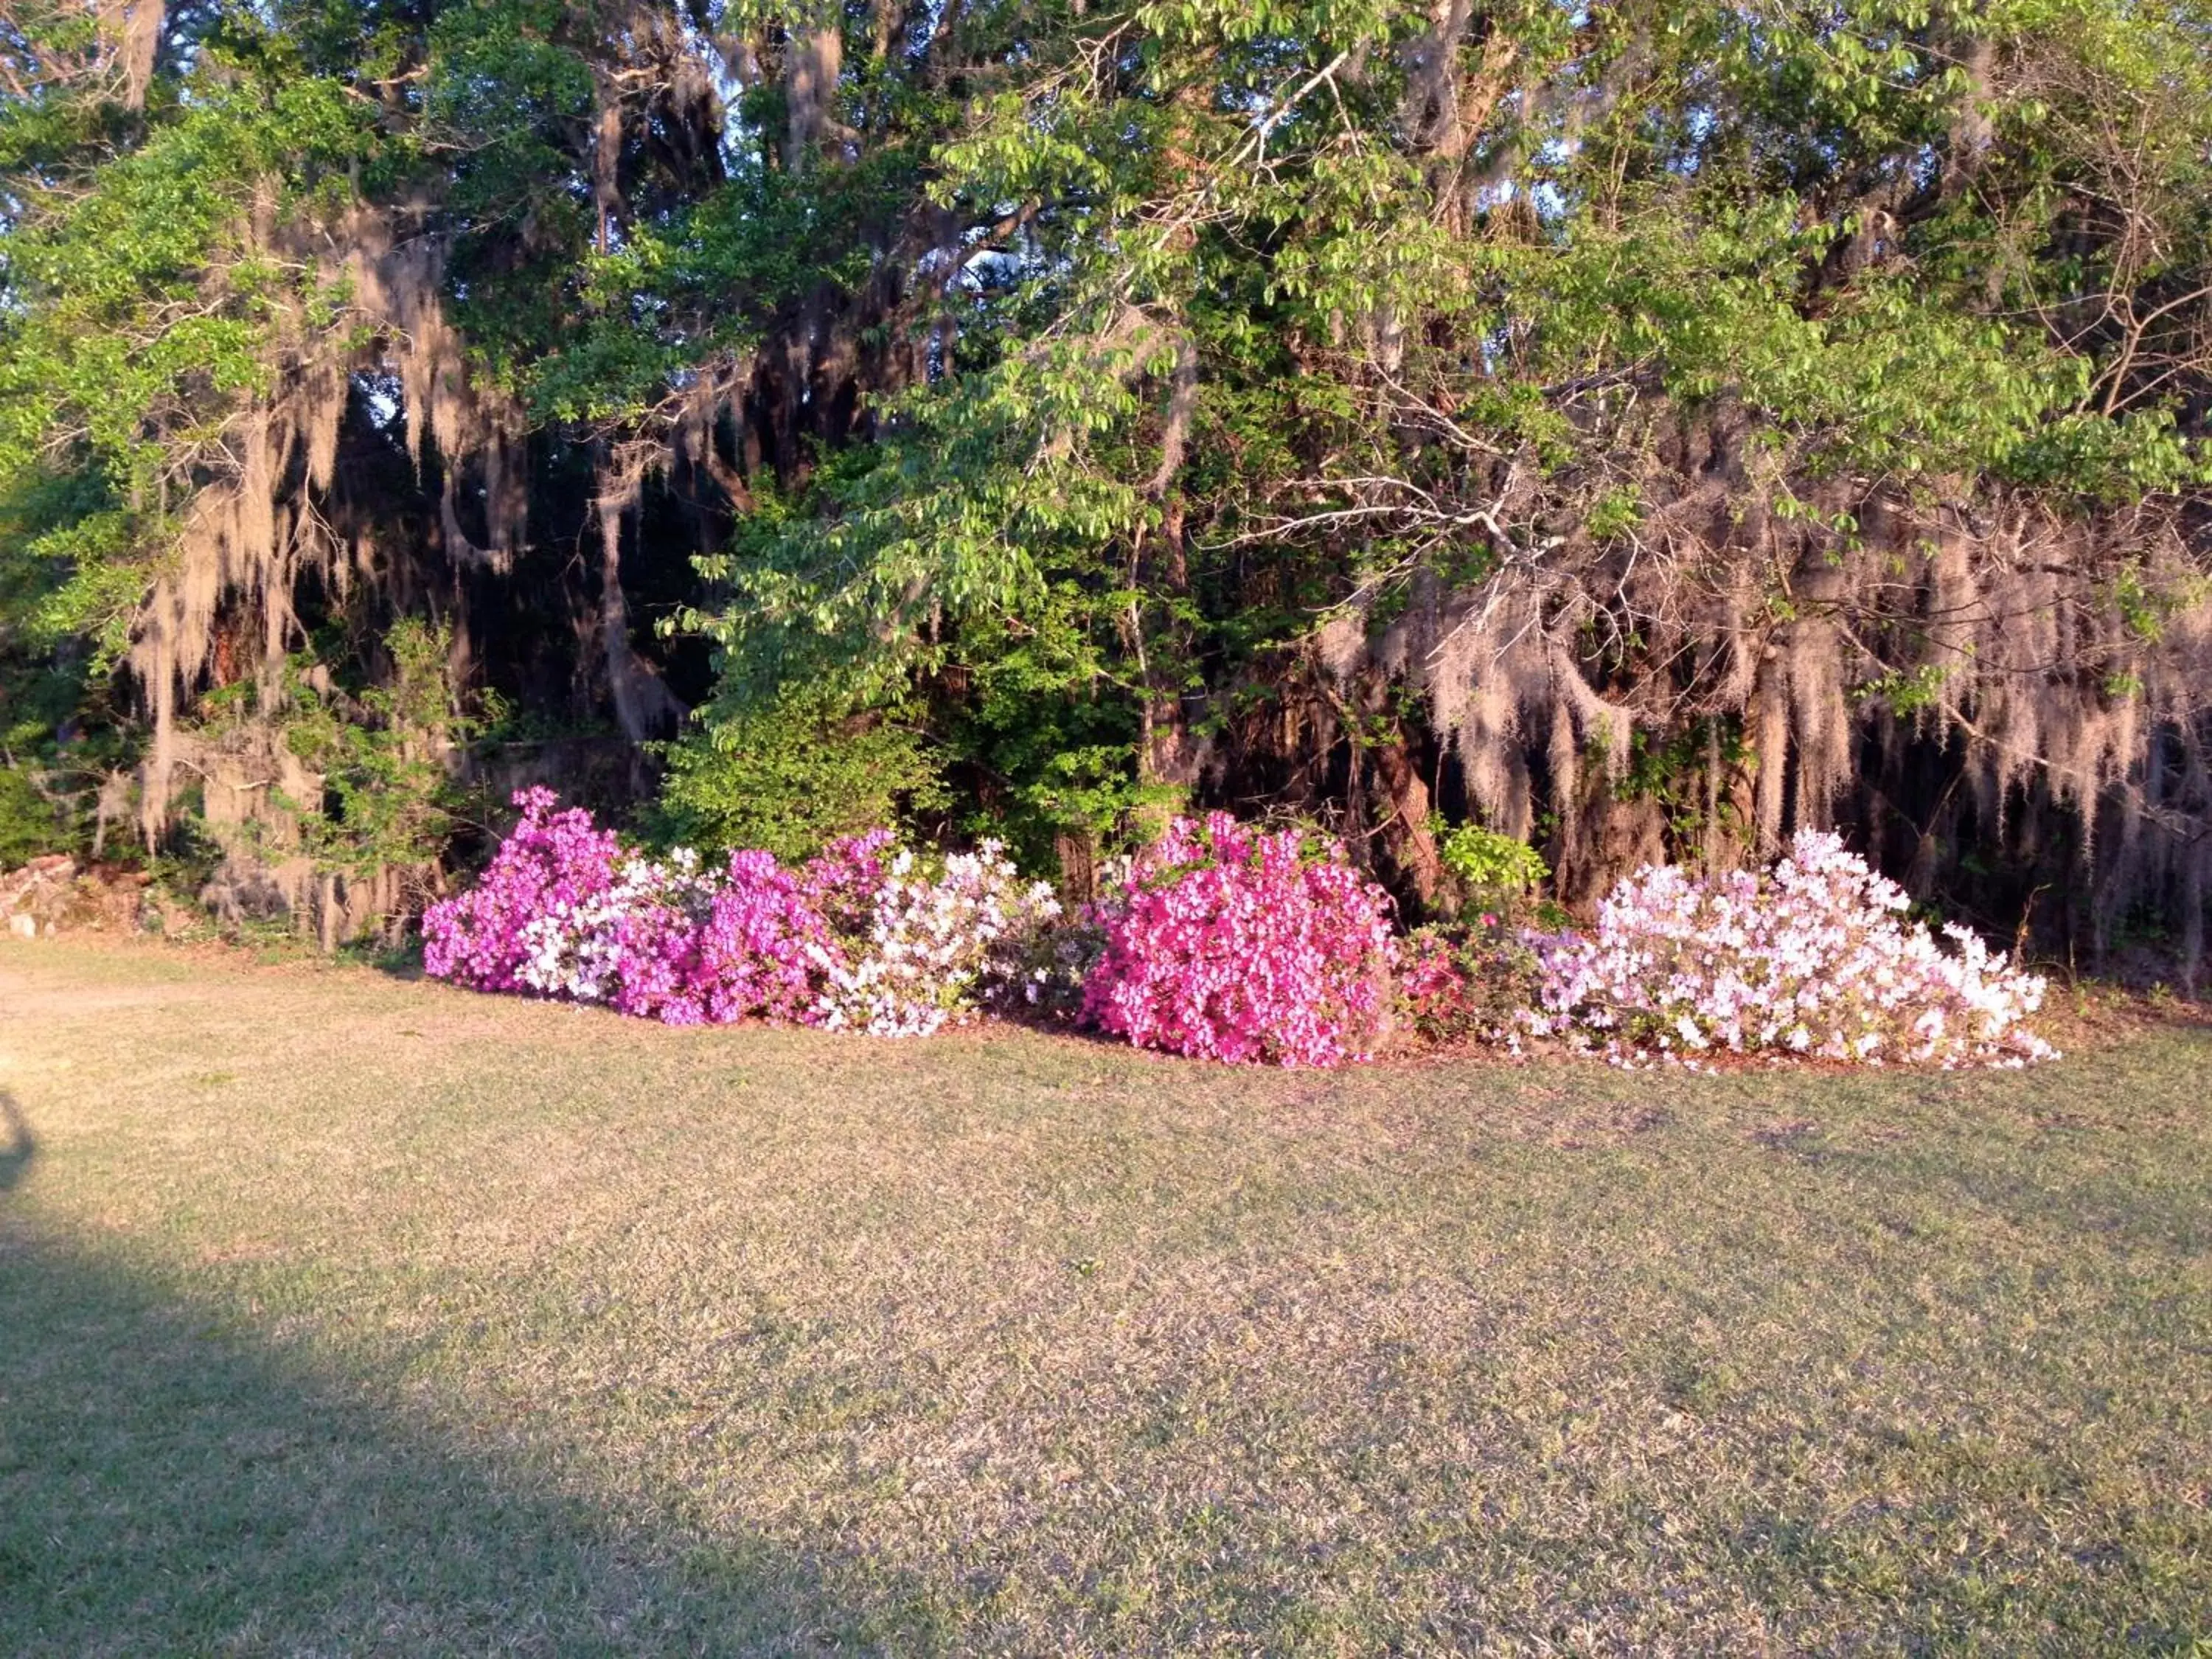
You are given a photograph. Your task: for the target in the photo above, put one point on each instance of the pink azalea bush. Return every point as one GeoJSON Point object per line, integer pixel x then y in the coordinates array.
{"type": "Point", "coordinates": [629, 944]}
{"type": "Point", "coordinates": [841, 882]}
{"type": "Point", "coordinates": [1230, 944]}
{"type": "Point", "coordinates": [1814, 958]}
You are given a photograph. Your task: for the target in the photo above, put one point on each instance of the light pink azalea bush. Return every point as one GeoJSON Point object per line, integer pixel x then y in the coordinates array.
{"type": "Point", "coordinates": [1814, 958]}
{"type": "Point", "coordinates": [1226, 943]}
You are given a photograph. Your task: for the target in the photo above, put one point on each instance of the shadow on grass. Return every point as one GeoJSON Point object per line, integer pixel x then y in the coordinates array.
{"type": "Point", "coordinates": [16, 1152]}
{"type": "Point", "coordinates": [169, 1485]}
{"type": "Point", "coordinates": [402, 962]}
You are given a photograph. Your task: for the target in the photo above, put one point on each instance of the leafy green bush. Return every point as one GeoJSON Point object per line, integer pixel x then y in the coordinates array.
{"type": "Point", "coordinates": [1490, 872]}
{"type": "Point", "coordinates": [1459, 985]}
{"type": "Point", "coordinates": [30, 823]}
{"type": "Point", "coordinates": [385, 758]}
{"type": "Point", "coordinates": [790, 778]}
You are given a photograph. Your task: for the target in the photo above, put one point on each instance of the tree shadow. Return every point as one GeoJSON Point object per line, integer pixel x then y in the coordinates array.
{"type": "Point", "coordinates": [16, 1152]}
{"type": "Point", "coordinates": [168, 1484]}
{"type": "Point", "coordinates": [402, 963]}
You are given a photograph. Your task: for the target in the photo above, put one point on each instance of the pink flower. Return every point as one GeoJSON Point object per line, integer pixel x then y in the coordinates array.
{"type": "Point", "coordinates": [1232, 944]}
{"type": "Point", "coordinates": [859, 936]}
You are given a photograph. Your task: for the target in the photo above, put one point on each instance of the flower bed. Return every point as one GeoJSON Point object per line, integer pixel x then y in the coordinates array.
{"type": "Point", "coordinates": [1223, 942]}
{"type": "Point", "coordinates": [859, 938]}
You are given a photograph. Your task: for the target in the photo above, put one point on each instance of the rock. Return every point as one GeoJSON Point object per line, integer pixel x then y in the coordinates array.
{"type": "Point", "coordinates": [56, 895]}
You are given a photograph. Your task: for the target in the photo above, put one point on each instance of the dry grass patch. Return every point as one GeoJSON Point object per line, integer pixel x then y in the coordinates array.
{"type": "Point", "coordinates": [348, 1314]}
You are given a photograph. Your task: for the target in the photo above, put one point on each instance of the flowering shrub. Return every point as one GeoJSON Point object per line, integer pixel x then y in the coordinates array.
{"type": "Point", "coordinates": [841, 882]}
{"type": "Point", "coordinates": [512, 930]}
{"type": "Point", "coordinates": [688, 950]}
{"type": "Point", "coordinates": [765, 947]}
{"type": "Point", "coordinates": [1224, 942]}
{"type": "Point", "coordinates": [647, 938]}
{"type": "Point", "coordinates": [609, 946]}
{"type": "Point", "coordinates": [1814, 958]}
{"type": "Point", "coordinates": [859, 938]}
{"type": "Point", "coordinates": [936, 948]}
{"type": "Point", "coordinates": [1474, 983]}
{"type": "Point", "coordinates": [1234, 945]}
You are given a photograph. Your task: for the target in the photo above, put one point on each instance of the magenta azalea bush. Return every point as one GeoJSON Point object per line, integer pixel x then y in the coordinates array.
{"type": "Point", "coordinates": [765, 942]}
{"type": "Point", "coordinates": [860, 937]}
{"type": "Point", "coordinates": [1231, 944]}
{"type": "Point", "coordinates": [1814, 958]}
{"type": "Point", "coordinates": [548, 884]}
{"type": "Point", "coordinates": [688, 949]}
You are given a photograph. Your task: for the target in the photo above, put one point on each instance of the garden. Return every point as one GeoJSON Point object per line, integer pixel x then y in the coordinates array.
{"type": "Point", "coordinates": [957, 826]}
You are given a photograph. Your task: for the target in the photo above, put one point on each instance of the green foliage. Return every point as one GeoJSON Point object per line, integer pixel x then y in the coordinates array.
{"type": "Point", "coordinates": [792, 776]}
{"type": "Point", "coordinates": [1675, 770]}
{"type": "Point", "coordinates": [386, 756]}
{"type": "Point", "coordinates": [993, 591]}
{"type": "Point", "coordinates": [1615, 513]}
{"type": "Point", "coordinates": [1493, 888]}
{"type": "Point", "coordinates": [1683, 243]}
{"type": "Point", "coordinates": [30, 822]}
{"type": "Point", "coordinates": [1908, 692]}
{"type": "Point", "coordinates": [982, 508]}
{"type": "Point", "coordinates": [1045, 720]}
{"type": "Point", "coordinates": [2148, 605]}
{"type": "Point", "coordinates": [1485, 862]}
{"type": "Point", "coordinates": [1051, 368]}
{"type": "Point", "coordinates": [141, 306]}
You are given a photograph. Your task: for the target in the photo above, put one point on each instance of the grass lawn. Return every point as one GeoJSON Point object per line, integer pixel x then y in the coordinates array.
{"type": "Point", "coordinates": [343, 1313]}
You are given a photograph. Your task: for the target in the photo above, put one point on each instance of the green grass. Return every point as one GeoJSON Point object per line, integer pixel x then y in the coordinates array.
{"type": "Point", "coordinates": [343, 1313]}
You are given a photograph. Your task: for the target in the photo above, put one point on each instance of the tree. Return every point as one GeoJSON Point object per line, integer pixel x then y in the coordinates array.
{"type": "Point", "coordinates": [1644, 429]}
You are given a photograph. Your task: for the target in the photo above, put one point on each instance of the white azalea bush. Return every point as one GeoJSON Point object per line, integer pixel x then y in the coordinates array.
{"type": "Point", "coordinates": [938, 947]}
{"type": "Point", "coordinates": [1814, 958]}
